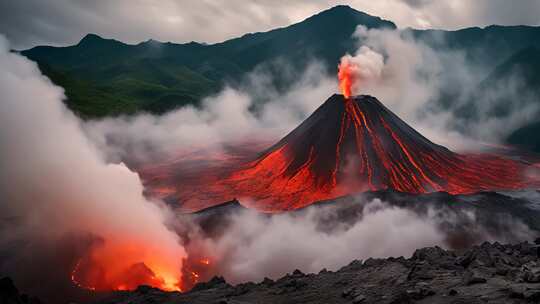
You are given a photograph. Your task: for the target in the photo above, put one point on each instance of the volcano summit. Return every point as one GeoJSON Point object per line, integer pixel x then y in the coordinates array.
{"type": "Point", "coordinates": [348, 145]}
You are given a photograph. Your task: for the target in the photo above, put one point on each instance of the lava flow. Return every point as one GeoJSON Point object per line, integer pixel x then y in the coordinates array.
{"type": "Point", "coordinates": [95, 278]}
{"type": "Point", "coordinates": [125, 266]}
{"type": "Point", "coordinates": [196, 270]}
{"type": "Point", "coordinates": [347, 145]}
{"type": "Point", "coordinates": [346, 78]}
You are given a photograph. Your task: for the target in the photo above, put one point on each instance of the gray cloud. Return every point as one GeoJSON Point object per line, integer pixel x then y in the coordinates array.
{"type": "Point", "coordinates": [62, 22]}
{"type": "Point", "coordinates": [463, 13]}
{"type": "Point", "coordinates": [417, 3]}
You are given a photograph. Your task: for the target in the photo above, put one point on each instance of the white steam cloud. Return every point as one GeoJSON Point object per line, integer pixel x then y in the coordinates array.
{"type": "Point", "coordinates": [227, 117]}
{"type": "Point", "coordinates": [365, 66]}
{"type": "Point", "coordinates": [54, 182]}
{"type": "Point", "coordinates": [259, 246]}
{"type": "Point", "coordinates": [413, 76]}
{"type": "Point", "coordinates": [254, 246]}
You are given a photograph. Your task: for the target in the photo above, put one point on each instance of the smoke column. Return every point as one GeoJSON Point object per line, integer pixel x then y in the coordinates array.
{"type": "Point", "coordinates": [365, 66]}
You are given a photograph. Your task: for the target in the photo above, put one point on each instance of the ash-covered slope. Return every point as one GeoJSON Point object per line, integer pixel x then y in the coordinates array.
{"type": "Point", "coordinates": [357, 144]}
{"type": "Point", "coordinates": [347, 145]}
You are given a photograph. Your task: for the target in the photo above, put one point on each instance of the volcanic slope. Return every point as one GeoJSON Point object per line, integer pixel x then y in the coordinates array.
{"type": "Point", "coordinates": [352, 145]}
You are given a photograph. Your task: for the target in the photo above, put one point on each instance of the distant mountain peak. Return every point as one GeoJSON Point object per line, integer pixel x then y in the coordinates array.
{"type": "Point", "coordinates": [96, 40]}
{"type": "Point", "coordinates": [346, 11]}
{"type": "Point", "coordinates": [341, 7]}
{"type": "Point", "coordinates": [90, 38]}
{"type": "Point", "coordinates": [150, 42]}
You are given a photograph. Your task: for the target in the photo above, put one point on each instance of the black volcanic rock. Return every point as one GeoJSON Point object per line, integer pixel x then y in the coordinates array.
{"type": "Point", "coordinates": [389, 281]}
{"type": "Point", "coordinates": [215, 282]}
{"type": "Point", "coordinates": [9, 294]}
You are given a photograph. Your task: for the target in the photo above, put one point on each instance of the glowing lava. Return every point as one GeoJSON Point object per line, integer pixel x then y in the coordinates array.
{"type": "Point", "coordinates": [122, 267]}
{"type": "Point", "coordinates": [346, 78]}
{"type": "Point", "coordinates": [196, 270]}
{"type": "Point", "coordinates": [347, 145]}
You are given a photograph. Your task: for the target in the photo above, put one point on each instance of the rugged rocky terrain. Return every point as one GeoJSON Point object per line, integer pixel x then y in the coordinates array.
{"type": "Point", "coordinates": [511, 272]}
{"type": "Point", "coordinates": [489, 273]}
{"type": "Point", "coordinates": [9, 294]}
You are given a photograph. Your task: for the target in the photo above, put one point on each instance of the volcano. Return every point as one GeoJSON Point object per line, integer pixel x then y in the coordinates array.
{"type": "Point", "coordinates": [351, 145]}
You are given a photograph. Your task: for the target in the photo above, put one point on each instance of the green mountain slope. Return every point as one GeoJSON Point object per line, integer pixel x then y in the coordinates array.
{"type": "Point", "coordinates": [107, 77]}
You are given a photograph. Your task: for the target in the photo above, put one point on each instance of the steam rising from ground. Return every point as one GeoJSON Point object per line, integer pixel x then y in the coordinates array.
{"type": "Point", "coordinates": [54, 184]}
{"type": "Point", "coordinates": [259, 246]}
{"type": "Point", "coordinates": [251, 246]}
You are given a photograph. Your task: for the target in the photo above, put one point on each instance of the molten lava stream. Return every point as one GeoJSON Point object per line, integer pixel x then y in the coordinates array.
{"type": "Point", "coordinates": [123, 267]}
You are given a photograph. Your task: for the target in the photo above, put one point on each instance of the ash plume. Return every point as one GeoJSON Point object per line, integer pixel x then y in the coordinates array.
{"type": "Point", "coordinates": [415, 77]}
{"type": "Point", "coordinates": [355, 71]}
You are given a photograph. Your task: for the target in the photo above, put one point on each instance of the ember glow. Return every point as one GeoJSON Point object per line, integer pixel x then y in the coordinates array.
{"type": "Point", "coordinates": [123, 268]}
{"type": "Point", "coordinates": [196, 269]}
{"type": "Point", "coordinates": [348, 145]}
{"type": "Point", "coordinates": [345, 77]}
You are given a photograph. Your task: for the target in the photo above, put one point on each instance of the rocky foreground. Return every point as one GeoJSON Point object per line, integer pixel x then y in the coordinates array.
{"type": "Point", "coordinates": [489, 273]}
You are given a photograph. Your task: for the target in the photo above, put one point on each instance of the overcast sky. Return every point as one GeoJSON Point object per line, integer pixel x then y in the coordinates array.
{"type": "Point", "coordinates": [28, 23]}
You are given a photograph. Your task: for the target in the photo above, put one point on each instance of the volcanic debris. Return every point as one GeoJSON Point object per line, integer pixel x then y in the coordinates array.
{"type": "Point", "coordinates": [488, 273]}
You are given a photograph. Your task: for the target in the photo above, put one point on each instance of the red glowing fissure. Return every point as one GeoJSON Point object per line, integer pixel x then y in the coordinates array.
{"type": "Point", "coordinates": [93, 276]}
